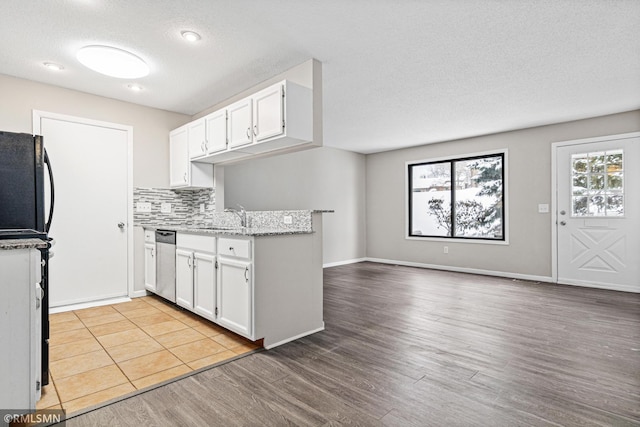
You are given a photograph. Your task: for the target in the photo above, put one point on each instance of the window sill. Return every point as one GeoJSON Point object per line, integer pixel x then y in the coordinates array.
{"type": "Point", "coordinates": [504, 242]}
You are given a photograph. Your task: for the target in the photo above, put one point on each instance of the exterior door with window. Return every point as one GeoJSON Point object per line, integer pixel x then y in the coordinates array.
{"type": "Point", "coordinates": [598, 213]}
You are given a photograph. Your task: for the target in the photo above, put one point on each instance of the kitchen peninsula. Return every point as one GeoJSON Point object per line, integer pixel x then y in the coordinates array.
{"type": "Point", "coordinates": [262, 281]}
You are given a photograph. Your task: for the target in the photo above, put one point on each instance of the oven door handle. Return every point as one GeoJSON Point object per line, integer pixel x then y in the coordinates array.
{"type": "Point", "coordinates": [52, 188]}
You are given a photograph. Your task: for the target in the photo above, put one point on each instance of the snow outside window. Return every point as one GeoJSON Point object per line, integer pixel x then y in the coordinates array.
{"type": "Point", "coordinates": [457, 198]}
{"type": "Point", "coordinates": [597, 184]}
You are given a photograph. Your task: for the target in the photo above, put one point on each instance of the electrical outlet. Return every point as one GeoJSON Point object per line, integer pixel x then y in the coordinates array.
{"type": "Point", "coordinates": [202, 207]}
{"type": "Point", "coordinates": [143, 207]}
{"type": "Point", "coordinates": [287, 219]}
{"type": "Point", "coordinates": [165, 208]}
{"type": "Point", "coordinates": [446, 249]}
{"type": "Point", "coordinates": [543, 208]}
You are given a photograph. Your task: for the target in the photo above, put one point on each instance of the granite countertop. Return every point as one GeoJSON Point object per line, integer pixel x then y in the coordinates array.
{"type": "Point", "coordinates": [9, 244]}
{"type": "Point", "coordinates": [240, 231]}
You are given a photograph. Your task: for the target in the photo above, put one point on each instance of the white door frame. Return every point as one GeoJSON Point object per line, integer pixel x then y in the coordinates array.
{"type": "Point", "coordinates": [554, 189]}
{"type": "Point", "coordinates": [39, 115]}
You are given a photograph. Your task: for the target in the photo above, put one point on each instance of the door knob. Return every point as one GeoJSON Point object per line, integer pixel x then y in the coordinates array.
{"type": "Point", "coordinates": [563, 222]}
{"type": "Point", "coordinates": [121, 225]}
{"type": "Point", "coordinates": [563, 212]}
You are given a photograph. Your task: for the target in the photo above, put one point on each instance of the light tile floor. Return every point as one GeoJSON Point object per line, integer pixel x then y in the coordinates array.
{"type": "Point", "coordinates": [98, 354]}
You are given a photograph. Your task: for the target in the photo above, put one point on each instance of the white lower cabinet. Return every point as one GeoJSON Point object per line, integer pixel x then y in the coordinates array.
{"type": "Point", "coordinates": [265, 288]}
{"type": "Point", "coordinates": [184, 278]}
{"type": "Point", "coordinates": [235, 295]}
{"type": "Point", "coordinates": [196, 274]}
{"type": "Point", "coordinates": [150, 266]}
{"type": "Point", "coordinates": [204, 285]}
{"type": "Point", "coordinates": [20, 329]}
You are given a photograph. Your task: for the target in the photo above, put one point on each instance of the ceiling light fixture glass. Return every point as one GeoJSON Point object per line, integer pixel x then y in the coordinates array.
{"type": "Point", "coordinates": [53, 67]}
{"type": "Point", "coordinates": [112, 62]}
{"type": "Point", "coordinates": [190, 36]}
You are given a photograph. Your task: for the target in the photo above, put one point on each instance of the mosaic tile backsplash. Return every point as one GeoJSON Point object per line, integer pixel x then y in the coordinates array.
{"type": "Point", "coordinates": [185, 206]}
{"type": "Point", "coordinates": [185, 211]}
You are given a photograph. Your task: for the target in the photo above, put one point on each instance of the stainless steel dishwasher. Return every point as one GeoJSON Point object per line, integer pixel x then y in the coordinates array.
{"type": "Point", "coordinates": [166, 264]}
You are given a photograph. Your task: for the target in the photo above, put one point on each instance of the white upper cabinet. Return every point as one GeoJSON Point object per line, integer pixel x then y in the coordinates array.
{"type": "Point", "coordinates": [197, 138]}
{"type": "Point", "coordinates": [276, 118]}
{"type": "Point", "coordinates": [279, 117]}
{"type": "Point", "coordinates": [179, 157]}
{"type": "Point", "coordinates": [240, 124]}
{"type": "Point", "coordinates": [183, 173]}
{"type": "Point", "coordinates": [216, 131]}
{"type": "Point", "coordinates": [268, 113]}
{"type": "Point", "coordinates": [208, 134]}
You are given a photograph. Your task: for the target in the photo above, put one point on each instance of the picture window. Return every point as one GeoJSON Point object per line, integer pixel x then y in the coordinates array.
{"type": "Point", "coordinates": [460, 198]}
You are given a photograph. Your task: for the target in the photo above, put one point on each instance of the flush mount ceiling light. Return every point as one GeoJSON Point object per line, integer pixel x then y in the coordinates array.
{"type": "Point", "coordinates": [190, 36]}
{"type": "Point", "coordinates": [112, 62]}
{"type": "Point", "coordinates": [134, 87]}
{"type": "Point", "coordinates": [53, 67]}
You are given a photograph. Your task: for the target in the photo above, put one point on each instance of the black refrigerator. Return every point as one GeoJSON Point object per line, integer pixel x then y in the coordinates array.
{"type": "Point", "coordinates": [24, 171]}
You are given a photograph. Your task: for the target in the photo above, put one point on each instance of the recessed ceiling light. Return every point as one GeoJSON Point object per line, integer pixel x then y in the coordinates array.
{"type": "Point", "coordinates": [53, 67]}
{"type": "Point", "coordinates": [112, 62]}
{"type": "Point", "coordinates": [190, 36]}
{"type": "Point", "coordinates": [134, 87]}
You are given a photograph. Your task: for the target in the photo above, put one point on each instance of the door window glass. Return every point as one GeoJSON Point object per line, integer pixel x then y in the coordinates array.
{"type": "Point", "coordinates": [597, 184]}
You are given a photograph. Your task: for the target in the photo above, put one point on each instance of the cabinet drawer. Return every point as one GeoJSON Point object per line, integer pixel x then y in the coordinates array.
{"type": "Point", "coordinates": [196, 242]}
{"type": "Point", "coordinates": [149, 236]}
{"type": "Point", "coordinates": [234, 247]}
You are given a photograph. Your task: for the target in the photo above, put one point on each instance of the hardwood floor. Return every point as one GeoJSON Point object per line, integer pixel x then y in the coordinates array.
{"type": "Point", "coordinates": [412, 347]}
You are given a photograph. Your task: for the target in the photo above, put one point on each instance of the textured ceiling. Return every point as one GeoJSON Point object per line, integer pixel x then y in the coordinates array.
{"type": "Point", "coordinates": [396, 73]}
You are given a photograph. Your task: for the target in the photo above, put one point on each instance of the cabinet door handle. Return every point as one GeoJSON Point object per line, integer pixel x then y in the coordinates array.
{"type": "Point", "coordinates": [202, 147]}
{"type": "Point", "coordinates": [249, 133]}
{"type": "Point", "coordinates": [255, 130]}
{"type": "Point", "coordinates": [189, 262]}
{"type": "Point", "coordinates": [185, 177]}
{"type": "Point", "coordinates": [153, 252]}
{"type": "Point", "coordinates": [246, 278]}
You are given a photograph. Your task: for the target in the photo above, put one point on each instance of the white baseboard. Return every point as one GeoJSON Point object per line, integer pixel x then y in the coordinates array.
{"type": "Point", "coordinates": [509, 275]}
{"type": "Point", "coordinates": [80, 306]}
{"type": "Point", "coordinates": [304, 334]}
{"type": "Point", "coordinates": [345, 262]}
{"type": "Point", "coordinates": [138, 294]}
{"type": "Point", "coordinates": [608, 286]}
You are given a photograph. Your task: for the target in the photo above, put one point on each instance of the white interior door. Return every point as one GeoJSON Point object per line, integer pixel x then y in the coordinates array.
{"type": "Point", "coordinates": [90, 221]}
{"type": "Point", "coordinates": [598, 213]}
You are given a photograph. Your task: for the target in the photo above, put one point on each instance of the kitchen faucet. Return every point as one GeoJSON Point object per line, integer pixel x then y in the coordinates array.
{"type": "Point", "coordinates": [242, 214]}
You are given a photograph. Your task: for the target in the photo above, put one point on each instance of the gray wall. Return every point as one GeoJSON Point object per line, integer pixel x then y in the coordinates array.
{"type": "Point", "coordinates": [528, 181]}
{"type": "Point", "coordinates": [319, 178]}
{"type": "Point", "coordinates": [19, 97]}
